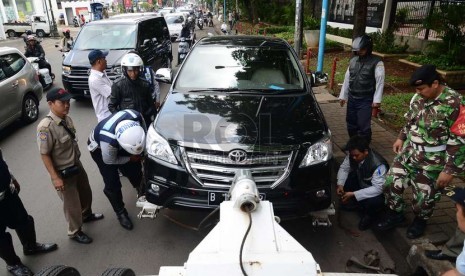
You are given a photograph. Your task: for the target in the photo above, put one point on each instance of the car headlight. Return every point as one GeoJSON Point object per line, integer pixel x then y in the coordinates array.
{"type": "Point", "coordinates": [319, 152]}
{"type": "Point", "coordinates": [117, 70]}
{"type": "Point", "coordinates": [158, 148]}
{"type": "Point", "coordinates": [66, 70]}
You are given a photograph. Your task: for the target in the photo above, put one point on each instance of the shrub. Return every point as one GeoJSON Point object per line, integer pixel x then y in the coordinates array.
{"type": "Point", "coordinates": [384, 42]}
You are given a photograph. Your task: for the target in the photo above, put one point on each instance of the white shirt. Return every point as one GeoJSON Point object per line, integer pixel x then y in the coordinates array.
{"type": "Point", "coordinates": [379, 76]}
{"type": "Point", "coordinates": [377, 180]}
{"type": "Point", "coordinates": [100, 90]}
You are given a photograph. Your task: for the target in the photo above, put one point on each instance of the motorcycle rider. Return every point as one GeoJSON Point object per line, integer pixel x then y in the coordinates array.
{"type": "Point", "coordinates": [76, 21]}
{"type": "Point", "coordinates": [186, 33]}
{"type": "Point", "coordinates": [131, 91]}
{"type": "Point", "coordinates": [67, 41]}
{"type": "Point", "coordinates": [34, 49]}
{"type": "Point", "coordinates": [25, 35]}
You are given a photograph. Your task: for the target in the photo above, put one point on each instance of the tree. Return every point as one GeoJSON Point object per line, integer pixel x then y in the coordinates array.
{"type": "Point", "coordinates": [360, 17]}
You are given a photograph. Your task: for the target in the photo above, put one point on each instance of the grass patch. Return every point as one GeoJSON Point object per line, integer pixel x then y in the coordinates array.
{"type": "Point", "coordinates": [394, 107]}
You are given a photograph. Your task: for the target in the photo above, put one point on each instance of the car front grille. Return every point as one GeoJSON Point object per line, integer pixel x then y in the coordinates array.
{"type": "Point", "coordinates": [79, 77]}
{"type": "Point", "coordinates": [212, 168]}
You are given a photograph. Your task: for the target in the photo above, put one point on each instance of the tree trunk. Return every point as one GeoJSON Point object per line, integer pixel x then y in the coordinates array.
{"type": "Point", "coordinates": [360, 17]}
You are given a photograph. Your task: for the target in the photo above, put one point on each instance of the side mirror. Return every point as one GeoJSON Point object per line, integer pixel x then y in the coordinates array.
{"type": "Point", "coordinates": [164, 75]}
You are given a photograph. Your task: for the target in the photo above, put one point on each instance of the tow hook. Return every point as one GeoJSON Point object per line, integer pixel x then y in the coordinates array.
{"type": "Point", "coordinates": [149, 210]}
{"type": "Point", "coordinates": [321, 218]}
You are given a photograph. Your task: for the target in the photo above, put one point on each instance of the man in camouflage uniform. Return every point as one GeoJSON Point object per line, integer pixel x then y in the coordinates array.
{"type": "Point", "coordinates": [429, 155]}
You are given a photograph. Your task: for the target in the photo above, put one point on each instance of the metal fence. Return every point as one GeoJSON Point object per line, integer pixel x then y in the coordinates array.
{"type": "Point", "coordinates": [412, 13]}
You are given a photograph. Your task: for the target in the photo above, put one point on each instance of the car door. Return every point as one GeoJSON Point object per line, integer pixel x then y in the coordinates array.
{"type": "Point", "coordinates": [146, 42]}
{"type": "Point", "coordinates": [11, 78]}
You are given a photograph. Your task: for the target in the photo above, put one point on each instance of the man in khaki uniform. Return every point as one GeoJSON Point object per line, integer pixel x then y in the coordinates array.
{"type": "Point", "coordinates": [56, 138]}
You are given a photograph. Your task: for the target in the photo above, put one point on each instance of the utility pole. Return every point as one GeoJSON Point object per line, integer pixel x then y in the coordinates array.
{"type": "Point", "coordinates": [298, 27]}
{"type": "Point", "coordinates": [321, 46]}
{"type": "Point", "coordinates": [53, 24]}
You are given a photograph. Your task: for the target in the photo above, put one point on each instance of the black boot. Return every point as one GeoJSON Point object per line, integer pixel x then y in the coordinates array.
{"type": "Point", "coordinates": [124, 220]}
{"type": "Point", "coordinates": [392, 220]}
{"type": "Point", "coordinates": [417, 228]}
{"type": "Point", "coordinates": [27, 236]}
{"type": "Point", "coordinates": [7, 251]}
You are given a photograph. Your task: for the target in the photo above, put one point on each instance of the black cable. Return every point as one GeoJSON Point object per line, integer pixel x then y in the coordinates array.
{"type": "Point", "coordinates": [243, 242]}
{"type": "Point", "coordinates": [199, 227]}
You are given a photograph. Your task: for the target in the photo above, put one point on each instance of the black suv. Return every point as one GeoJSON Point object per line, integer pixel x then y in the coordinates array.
{"type": "Point", "coordinates": [239, 102]}
{"type": "Point", "coordinates": [148, 35]}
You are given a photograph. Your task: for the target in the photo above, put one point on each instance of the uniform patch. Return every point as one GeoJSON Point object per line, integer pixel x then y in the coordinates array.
{"type": "Point", "coordinates": [43, 136]}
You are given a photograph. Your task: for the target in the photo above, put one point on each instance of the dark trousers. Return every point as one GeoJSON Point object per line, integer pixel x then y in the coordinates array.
{"type": "Point", "coordinates": [14, 216]}
{"type": "Point", "coordinates": [358, 117]}
{"type": "Point", "coordinates": [132, 170]}
{"type": "Point", "coordinates": [44, 64]}
{"type": "Point", "coordinates": [371, 206]}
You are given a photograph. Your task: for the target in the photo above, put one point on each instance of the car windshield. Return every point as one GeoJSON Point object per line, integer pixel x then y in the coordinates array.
{"type": "Point", "coordinates": [178, 19]}
{"type": "Point", "coordinates": [236, 68]}
{"type": "Point", "coordinates": [106, 36]}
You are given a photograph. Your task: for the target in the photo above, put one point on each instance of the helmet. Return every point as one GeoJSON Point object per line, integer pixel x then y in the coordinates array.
{"type": "Point", "coordinates": [130, 136]}
{"type": "Point", "coordinates": [131, 61]}
{"type": "Point", "coordinates": [28, 32]}
{"type": "Point", "coordinates": [31, 38]}
{"type": "Point", "coordinates": [66, 31]}
{"type": "Point", "coordinates": [362, 42]}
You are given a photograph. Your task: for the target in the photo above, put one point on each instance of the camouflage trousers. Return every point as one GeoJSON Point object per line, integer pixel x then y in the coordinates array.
{"type": "Point", "coordinates": [400, 176]}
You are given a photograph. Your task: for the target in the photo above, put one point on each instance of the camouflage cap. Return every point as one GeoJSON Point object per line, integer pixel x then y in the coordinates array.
{"type": "Point", "coordinates": [426, 74]}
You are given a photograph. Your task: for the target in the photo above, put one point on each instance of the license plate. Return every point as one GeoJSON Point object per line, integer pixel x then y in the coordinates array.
{"type": "Point", "coordinates": [47, 79]}
{"type": "Point", "coordinates": [215, 198]}
{"type": "Point", "coordinates": [86, 92]}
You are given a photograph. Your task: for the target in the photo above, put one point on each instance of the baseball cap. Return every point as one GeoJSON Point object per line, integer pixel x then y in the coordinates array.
{"type": "Point", "coordinates": [58, 94]}
{"type": "Point", "coordinates": [457, 194]}
{"type": "Point", "coordinates": [426, 74]}
{"type": "Point", "coordinates": [96, 54]}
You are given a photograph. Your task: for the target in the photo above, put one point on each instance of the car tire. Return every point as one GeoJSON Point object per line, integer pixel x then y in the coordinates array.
{"type": "Point", "coordinates": [40, 33]}
{"type": "Point", "coordinates": [11, 33]}
{"type": "Point", "coordinates": [58, 270]}
{"type": "Point", "coordinates": [30, 109]}
{"type": "Point", "coordinates": [118, 272]}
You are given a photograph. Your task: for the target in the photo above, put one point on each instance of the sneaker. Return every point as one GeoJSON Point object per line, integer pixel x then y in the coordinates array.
{"type": "Point", "coordinates": [417, 228]}
{"type": "Point", "coordinates": [141, 201]}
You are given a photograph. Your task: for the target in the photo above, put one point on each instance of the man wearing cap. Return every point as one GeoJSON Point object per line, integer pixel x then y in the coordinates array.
{"type": "Point", "coordinates": [458, 196]}
{"type": "Point", "coordinates": [429, 154]}
{"type": "Point", "coordinates": [58, 147]}
{"type": "Point", "coordinates": [99, 84]}
{"type": "Point", "coordinates": [362, 88]}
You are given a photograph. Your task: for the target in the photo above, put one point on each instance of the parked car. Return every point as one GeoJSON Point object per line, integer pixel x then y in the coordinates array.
{"type": "Point", "coordinates": [20, 88]}
{"type": "Point", "coordinates": [239, 102]}
{"type": "Point", "coordinates": [38, 25]}
{"type": "Point", "coordinates": [148, 35]}
{"type": "Point", "coordinates": [174, 22]}
{"type": "Point", "coordinates": [165, 10]}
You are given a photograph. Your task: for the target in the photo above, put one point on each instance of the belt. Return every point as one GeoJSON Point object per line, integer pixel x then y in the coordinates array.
{"type": "Point", "coordinates": [428, 149]}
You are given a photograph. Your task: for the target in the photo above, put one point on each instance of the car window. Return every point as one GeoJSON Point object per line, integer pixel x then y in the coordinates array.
{"type": "Point", "coordinates": [241, 68]}
{"type": "Point", "coordinates": [174, 19]}
{"type": "Point", "coordinates": [11, 64]}
{"type": "Point", "coordinates": [106, 36]}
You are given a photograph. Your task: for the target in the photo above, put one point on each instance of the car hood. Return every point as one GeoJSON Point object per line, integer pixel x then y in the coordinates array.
{"type": "Point", "coordinates": [80, 58]}
{"type": "Point", "coordinates": [240, 120]}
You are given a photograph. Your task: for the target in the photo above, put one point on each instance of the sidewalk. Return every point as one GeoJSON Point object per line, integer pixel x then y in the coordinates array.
{"type": "Point", "coordinates": [440, 227]}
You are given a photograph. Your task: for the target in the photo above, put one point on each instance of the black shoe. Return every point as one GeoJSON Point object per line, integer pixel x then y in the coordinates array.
{"type": "Point", "coordinates": [365, 223]}
{"type": "Point", "coordinates": [92, 217]}
{"type": "Point", "coordinates": [438, 255]}
{"type": "Point", "coordinates": [416, 229]}
{"type": "Point", "coordinates": [393, 220]}
{"type": "Point", "coordinates": [81, 237]}
{"type": "Point", "coordinates": [19, 270]}
{"type": "Point", "coordinates": [40, 248]}
{"type": "Point", "coordinates": [125, 221]}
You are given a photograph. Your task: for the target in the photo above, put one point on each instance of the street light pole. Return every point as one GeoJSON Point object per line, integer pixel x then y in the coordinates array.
{"type": "Point", "coordinates": [53, 24]}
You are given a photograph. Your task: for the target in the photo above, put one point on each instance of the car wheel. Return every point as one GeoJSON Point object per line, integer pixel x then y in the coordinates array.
{"type": "Point", "coordinates": [58, 270]}
{"type": "Point", "coordinates": [40, 33]}
{"type": "Point", "coordinates": [30, 109]}
{"type": "Point", "coordinates": [11, 33]}
{"type": "Point", "coordinates": [118, 272]}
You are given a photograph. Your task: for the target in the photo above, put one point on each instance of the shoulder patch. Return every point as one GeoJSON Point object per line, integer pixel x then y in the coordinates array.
{"type": "Point", "coordinates": [42, 135]}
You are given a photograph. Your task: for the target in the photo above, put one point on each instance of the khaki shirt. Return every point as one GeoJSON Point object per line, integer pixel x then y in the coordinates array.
{"type": "Point", "coordinates": [55, 141]}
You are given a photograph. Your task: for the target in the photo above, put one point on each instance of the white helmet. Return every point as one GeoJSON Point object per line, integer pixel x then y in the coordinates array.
{"type": "Point", "coordinates": [130, 136]}
{"type": "Point", "coordinates": [132, 60]}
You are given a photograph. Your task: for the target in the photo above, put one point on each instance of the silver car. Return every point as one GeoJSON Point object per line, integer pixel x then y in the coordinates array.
{"type": "Point", "coordinates": [20, 89]}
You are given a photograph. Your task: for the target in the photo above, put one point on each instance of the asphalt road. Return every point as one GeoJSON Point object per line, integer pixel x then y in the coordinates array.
{"type": "Point", "coordinates": [152, 243]}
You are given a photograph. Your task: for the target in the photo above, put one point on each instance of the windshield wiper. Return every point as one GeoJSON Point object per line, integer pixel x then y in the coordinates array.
{"type": "Point", "coordinates": [214, 90]}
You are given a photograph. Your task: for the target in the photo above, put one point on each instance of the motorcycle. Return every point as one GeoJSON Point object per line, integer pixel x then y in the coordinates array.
{"type": "Point", "coordinates": [65, 50]}
{"type": "Point", "coordinates": [44, 75]}
{"type": "Point", "coordinates": [183, 49]}
{"type": "Point", "coordinates": [200, 23]}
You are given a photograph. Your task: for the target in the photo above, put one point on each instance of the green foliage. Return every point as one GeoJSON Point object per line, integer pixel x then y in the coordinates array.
{"type": "Point", "coordinates": [311, 23]}
{"type": "Point", "coordinates": [384, 42]}
{"type": "Point", "coordinates": [441, 61]}
{"type": "Point", "coordinates": [278, 29]}
{"type": "Point", "coordinates": [401, 17]}
{"type": "Point", "coordinates": [395, 106]}
{"type": "Point", "coordinates": [339, 32]}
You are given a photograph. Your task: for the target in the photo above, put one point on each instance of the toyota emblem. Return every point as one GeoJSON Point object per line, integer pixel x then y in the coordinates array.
{"type": "Point", "coordinates": [237, 156]}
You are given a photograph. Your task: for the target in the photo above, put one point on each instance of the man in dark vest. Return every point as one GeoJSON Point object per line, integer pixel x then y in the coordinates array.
{"type": "Point", "coordinates": [14, 216]}
{"type": "Point", "coordinates": [360, 179]}
{"type": "Point", "coordinates": [362, 88]}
